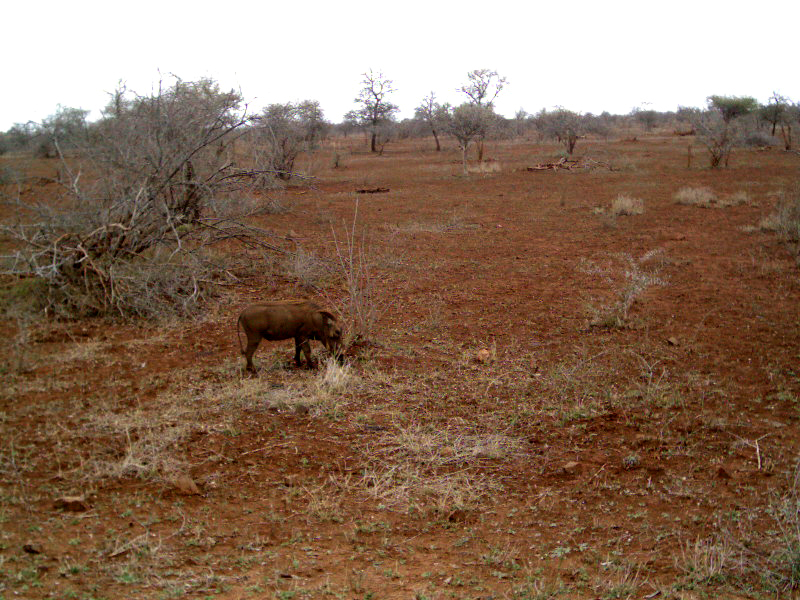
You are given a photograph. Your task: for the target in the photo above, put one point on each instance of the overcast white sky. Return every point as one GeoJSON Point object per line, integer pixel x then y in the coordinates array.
{"type": "Point", "coordinates": [588, 56]}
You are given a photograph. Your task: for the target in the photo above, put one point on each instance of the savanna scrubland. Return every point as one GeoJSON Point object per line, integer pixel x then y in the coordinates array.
{"type": "Point", "coordinates": [567, 375]}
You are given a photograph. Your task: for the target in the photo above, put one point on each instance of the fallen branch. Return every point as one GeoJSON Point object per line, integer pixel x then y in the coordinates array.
{"type": "Point", "coordinates": [377, 190]}
{"type": "Point", "coordinates": [562, 163]}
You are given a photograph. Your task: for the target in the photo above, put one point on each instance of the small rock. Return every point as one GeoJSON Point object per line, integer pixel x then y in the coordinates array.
{"type": "Point", "coordinates": [71, 503]}
{"type": "Point", "coordinates": [722, 473]}
{"type": "Point", "coordinates": [31, 548]}
{"type": "Point", "coordinates": [185, 485]}
{"type": "Point", "coordinates": [673, 341]}
{"type": "Point", "coordinates": [571, 467]}
{"type": "Point", "coordinates": [483, 355]}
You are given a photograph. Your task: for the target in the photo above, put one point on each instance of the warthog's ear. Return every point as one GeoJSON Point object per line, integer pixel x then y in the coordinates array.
{"type": "Point", "coordinates": [327, 315]}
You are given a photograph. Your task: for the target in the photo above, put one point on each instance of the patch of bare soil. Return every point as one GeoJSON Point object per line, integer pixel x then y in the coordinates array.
{"type": "Point", "coordinates": [556, 400]}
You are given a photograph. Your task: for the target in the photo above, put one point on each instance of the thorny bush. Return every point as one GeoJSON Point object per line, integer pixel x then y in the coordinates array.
{"type": "Point", "coordinates": [128, 234]}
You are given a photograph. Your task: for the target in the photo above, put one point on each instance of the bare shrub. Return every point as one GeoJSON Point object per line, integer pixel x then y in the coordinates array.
{"type": "Point", "coordinates": [359, 307]}
{"type": "Point", "coordinates": [468, 123]}
{"type": "Point", "coordinates": [127, 236]}
{"type": "Point", "coordinates": [16, 355]}
{"type": "Point", "coordinates": [624, 205]}
{"type": "Point", "coordinates": [306, 268]}
{"type": "Point", "coordinates": [695, 196]}
{"type": "Point", "coordinates": [759, 139]}
{"type": "Point", "coordinates": [721, 126]}
{"type": "Point", "coordinates": [785, 220]}
{"type": "Point", "coordinates": [281, 134]}
{"type": "Point", "coordinates": [629, 282]}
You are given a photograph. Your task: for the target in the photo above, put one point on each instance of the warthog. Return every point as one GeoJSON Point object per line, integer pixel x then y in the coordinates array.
{"type": "Point", "coordinates": [302, 320]}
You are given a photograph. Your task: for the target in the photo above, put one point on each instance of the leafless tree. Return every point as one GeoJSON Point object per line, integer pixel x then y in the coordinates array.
{"type": "Point", "coordinates": [282, 132]}
{"type": "Point", "coordinates": [781, 112]}
{"type": "Point", "coordinates": [564, 125]}
{"type": "Point", "coordinates": [648, 118]}
{"type": "Point", "coordinates": [374, 107]}
{"type": "Point", "coordinates": [433, 114]}
{"type": "Point", "coordinates": [482, 87]}
{"type": "Point", "coordinates": [469, 122]}
{"type": "Point", "coordinates": [772, 112]}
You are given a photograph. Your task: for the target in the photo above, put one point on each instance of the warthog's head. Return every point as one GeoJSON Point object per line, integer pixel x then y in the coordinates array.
{"type": "Point", "coordinates": [332, 332]}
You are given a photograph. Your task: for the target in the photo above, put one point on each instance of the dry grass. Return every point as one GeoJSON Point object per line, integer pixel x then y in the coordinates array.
{"type": "Point", "coordinates": [785, 219]}
{"type": "Point", "coordinates": [705, 198]}
{"type": "Point", "coordinates": [435, 447]}
{"type": "Point", "coordinates": [405, 472]}
{"type": "Point", "coordinates": [624, 205]}
{"type": "Point", "coordinates": [695, 196]}
{"type": "Point", "coordinates": [334, 378]}
{"type": "Point", "coordinates": [452, 223]}
{"type": "Point", "coordinates": [324, 504]}
{"type": "Point", "coordinates": [735, 199]}
{"type": "Point", "coordinates": [706, 560]}
{"type": "Point", "coordinates": [485, 168]}
{"type": "Point", "coordinates": [135, 444]}
{"type": "Point", "coordinates": [407, 487]}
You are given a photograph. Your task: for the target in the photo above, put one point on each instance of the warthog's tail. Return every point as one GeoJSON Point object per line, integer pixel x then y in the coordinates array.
{"type": "Point", "coordinates": [238, 334]}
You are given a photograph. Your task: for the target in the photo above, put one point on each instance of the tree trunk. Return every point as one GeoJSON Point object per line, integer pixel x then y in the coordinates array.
{"type": "Point", "coordinates": [438, 145]}
{"type": "Point", "coordinates": [372, 145]}
{"type": "Point", "coordinates": [786, 134]}
{"type": "Point", "coordinates": [480, 151]}
{"type": "Point", "coordinates": [571, 141]}
{"type": "Point", "coordinates": [464, 156]}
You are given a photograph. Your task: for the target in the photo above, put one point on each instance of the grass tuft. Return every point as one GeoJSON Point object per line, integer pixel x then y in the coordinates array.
{"type": "Point", "coordinates": [624, 205]}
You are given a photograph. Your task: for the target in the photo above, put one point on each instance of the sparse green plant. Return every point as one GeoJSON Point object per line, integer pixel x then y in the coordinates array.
{"type": "Point", "coordinates": [706, 561]}
{"type": "Point", "coordinates": [324, 505]}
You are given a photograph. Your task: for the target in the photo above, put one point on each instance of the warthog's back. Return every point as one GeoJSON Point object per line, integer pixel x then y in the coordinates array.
{"type": "Point", "coordinates": [279, 319]}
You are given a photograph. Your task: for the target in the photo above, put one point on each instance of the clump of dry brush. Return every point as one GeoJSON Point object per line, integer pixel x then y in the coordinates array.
{"type": "Point", "coordinates": [140, 204]}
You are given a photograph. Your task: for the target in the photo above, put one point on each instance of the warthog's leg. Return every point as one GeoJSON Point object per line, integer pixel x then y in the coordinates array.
{"type": "Point", "coordinates": [303, 345]}
{"type": "Point", "coordinates": [253, 339]}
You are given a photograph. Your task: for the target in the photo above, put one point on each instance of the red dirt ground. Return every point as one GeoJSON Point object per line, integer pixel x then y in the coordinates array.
{"type": "Point", "coordinates": [493, 443]}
